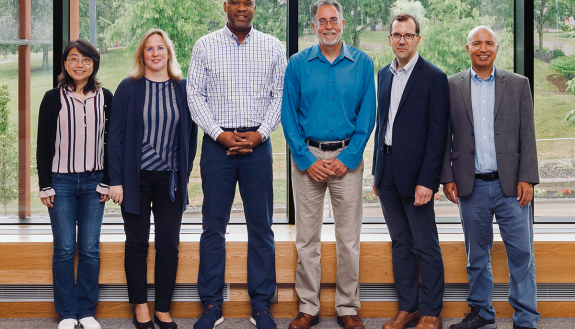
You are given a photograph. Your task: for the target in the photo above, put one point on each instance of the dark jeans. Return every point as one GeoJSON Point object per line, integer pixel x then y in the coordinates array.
{"type": "Point", "coordinates": [413, 237]}
{"type": "Point", "coordinates": [154, 196]}
{"type": "Point", "coordinates": [220, 174]}
{"type": "Point", "coordinates": [76, 202]}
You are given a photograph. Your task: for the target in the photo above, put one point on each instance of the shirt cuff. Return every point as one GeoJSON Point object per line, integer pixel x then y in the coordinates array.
{"type": "Point", "coordinates": [103, 189]}
{"type": "Point", "coordinates": [215, 132]}
{"type": "Point", "coordinates": [264, 132]}
{"type": "Point", "coordinates": [46, 192]}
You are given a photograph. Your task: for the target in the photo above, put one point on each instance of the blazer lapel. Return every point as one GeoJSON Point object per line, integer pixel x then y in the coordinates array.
{"type": "Point", "coordinates": [500, 84]}
{"type": "Point", "coordinates": [412, 78]}
{"type": "Point", "coordinates": [465, 87]}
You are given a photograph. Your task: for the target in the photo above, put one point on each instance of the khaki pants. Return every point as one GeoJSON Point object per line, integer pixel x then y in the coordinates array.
{"type": "Point", "coordinates": [346, 198]}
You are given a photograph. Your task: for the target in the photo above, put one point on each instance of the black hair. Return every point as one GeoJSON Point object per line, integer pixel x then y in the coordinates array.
{"type": "Point", "coordinates": [87, 50]}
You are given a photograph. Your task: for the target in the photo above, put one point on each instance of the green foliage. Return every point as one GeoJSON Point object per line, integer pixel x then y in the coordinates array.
{"type": "Point", "coordinates": [570, 117]}
{"type": "Point", "coordinates": [558, 53]}
{"type": "Point", "coordinates": [270, 17]}
{"type": "Point", "coordinates": [9, 154]}
{"type": "Point", "coordinates": [184, 21]}
{"type": "Point", "coordinates": [565, 65]}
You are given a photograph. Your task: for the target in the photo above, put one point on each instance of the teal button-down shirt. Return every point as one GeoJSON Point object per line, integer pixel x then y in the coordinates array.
{"type": "Point", "coordinates": [326, 101]}
{"type": "Point", "coordinates": [483, 102]}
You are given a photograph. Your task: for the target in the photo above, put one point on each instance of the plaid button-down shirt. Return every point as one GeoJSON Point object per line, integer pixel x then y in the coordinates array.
{"type": "Point", "coordinates": [233, 85]}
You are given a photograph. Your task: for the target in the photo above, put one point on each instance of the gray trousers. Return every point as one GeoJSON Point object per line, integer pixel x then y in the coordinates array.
{"type": "Point", "coordinates": [346, 198]}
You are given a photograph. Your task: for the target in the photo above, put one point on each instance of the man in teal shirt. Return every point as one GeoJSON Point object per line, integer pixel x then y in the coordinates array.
{"type": "Point", "coordinates": [328, 114]}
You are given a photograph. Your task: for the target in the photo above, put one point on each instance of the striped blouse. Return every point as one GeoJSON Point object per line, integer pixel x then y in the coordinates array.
{"type": "Point", "coordinates": [79, 136]}
{"type": "Point", "coordinates": [161, 133]}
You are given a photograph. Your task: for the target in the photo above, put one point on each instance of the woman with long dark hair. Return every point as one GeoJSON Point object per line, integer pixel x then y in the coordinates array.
{"type": "Point", "coordinates": [73, 177]}
{"type": "Point", "coordinates": [152, 148]}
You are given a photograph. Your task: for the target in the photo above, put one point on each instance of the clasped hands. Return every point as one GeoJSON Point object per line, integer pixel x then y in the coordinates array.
{"type": "Point", "coordinates": [239, 143]}
{"type": "Point", "coordinates": [322, 169]}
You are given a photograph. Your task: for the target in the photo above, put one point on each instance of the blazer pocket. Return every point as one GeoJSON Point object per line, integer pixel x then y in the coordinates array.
{"type": "Point", "coordinates": [418, 154]}
{"type": "Point", "coordinates": [454, 155]}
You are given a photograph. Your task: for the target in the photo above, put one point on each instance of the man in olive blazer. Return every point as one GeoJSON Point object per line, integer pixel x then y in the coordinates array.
{"type": "Point", "coordinates": [489, 168]}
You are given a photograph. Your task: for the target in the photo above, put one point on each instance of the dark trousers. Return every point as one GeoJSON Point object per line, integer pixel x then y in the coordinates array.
{"type": "Point", "coordinates": [413, 237]}
{"type": "Point", "coordinates": [220, 174]}
{"type": "Point", "coordinates": [154, 196]}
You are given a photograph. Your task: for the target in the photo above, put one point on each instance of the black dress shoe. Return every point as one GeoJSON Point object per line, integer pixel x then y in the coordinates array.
{"type": "Point", "coordinates": [143, 325]}
{"type": "Point", "coordinates": [165, 325]}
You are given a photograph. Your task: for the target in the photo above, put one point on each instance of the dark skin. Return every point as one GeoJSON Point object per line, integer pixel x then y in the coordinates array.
{"type": "Point", "coordinates": [239, 143]}
{"type": "Point", "coordinates": [240, 15]}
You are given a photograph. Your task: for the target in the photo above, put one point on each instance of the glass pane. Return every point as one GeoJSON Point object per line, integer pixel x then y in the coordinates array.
{"type": "Point", "coordinates": [119, 27]}
{"type": "Point", "coordinates": [444, 29]}
{"type": "Point", "coordinates": [554, 115]}
{"type": "Point", "coordinates": [40, 82]}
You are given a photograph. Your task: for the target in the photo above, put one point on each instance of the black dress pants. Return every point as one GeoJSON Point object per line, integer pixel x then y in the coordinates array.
{"type": "Point", "coordinates": [154, 196]}
{"type": "Point", "coordinates": [414, 238]}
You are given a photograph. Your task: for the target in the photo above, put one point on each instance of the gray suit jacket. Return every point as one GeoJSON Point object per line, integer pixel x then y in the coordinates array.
{"type": "Point", "coordinates": [514, 133]}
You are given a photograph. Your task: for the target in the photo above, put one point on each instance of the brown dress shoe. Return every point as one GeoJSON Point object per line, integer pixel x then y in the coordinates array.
{"type": "Point", "coordinates": [402, 320]}
{"type": "Point", "coordinates": [350, 322]}
{"type": "Point", "coordinates": [430, 322]}
{"type": "Point", "coordinates": [304, 321]}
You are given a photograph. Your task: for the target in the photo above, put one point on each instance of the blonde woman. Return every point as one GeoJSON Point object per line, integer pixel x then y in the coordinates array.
{"type": "Point", "coordinates": [151, 149]}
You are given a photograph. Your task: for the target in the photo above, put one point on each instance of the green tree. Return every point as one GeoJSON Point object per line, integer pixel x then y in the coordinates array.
{"type": "Point", "coordinates": [360, 15]}
{"type": "Point", "coordinates": [271, 18]}
{"type": "Point", "coordinates": [544, 12]}
{"type": "Point", "coordinates": [9, 154]}
{"type": "Point", "coordinates": [184, 21]}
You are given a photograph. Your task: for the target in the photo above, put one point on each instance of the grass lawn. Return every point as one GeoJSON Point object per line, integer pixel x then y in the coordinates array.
{"type": "Point", "coordinates": [562, 37]}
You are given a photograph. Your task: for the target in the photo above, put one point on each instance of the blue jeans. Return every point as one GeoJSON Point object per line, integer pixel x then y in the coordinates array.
{"type": "Point", "coordinates": [254, 174]}
{"type": "Point", "coordinates": [76, 202]}
{"type": "Point", "coordinates": [516, 228]}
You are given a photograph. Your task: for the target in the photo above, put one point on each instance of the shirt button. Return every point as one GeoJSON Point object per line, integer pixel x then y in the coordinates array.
{"type": "Point", "coordinates": [331, 96]}
{"type": "Point", "coordinates": [332, 131]}
{"type": "Point", "coordinates": [484, 136]}
{"type": "Point", "coordinates": [484, 101]}
{"type": "Point", "coordinates": [330, 80]}
{"type": "Point", "coordinates": [332, 114]}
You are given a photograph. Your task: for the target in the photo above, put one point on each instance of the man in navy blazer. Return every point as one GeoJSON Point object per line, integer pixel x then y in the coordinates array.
{"type": "Point", "coordinates": [413, 112]}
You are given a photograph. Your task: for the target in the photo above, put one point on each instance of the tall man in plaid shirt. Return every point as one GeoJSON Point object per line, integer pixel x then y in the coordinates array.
{"type": "Point", "coordinates": [235, 83]}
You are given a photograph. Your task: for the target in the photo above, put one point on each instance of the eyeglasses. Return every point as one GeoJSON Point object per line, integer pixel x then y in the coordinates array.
{"type": "Point", "coordinates": [334, 22]}
{"type": "Point", "coordinates": [150, 50]}
{"type": "Point", "coordinates": [407, 36]}
{"type": "Point", "coordinates": [76, 60]}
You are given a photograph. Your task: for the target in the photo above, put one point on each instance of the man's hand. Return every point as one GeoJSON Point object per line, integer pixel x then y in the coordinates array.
{"type": "Point", "coordinates": [47, 201]}
{"type": "Point", "coordinates": [524, 193]}
{"type": "Point", "coordinates": [104, 197]}
{"type": "Point", "coordinates": [373, 187]}
{"type": "Point", "coordinates": [450, 191]}
{"type": "Point", "coordinates": [335, 166]}
{"type": "Point", "coordinates": [231, 140]}
{"type": "Point", "coordinates": [252, 137]}
{"type": "Point", "coordinates": [116, 193]}
{"type": "Point", "coordinates": [318, 172]}
{"type": "Point", "coordinates": [422, 195]}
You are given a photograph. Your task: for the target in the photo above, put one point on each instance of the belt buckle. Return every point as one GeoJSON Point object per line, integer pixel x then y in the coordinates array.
{"type": "Point", "coordinates": [319, 146]}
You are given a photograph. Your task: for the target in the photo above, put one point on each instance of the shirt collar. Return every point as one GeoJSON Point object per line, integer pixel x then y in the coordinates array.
{"type": "Point", "coordinates": [477, 78]}
{"type": "Point", "coordinates": [408, 67]}
{"type": "Point", "coordinates": [73, 94]}
{"type": "Point", "coordinates": [315, 52]}
{"type": "Point", "coordinates": [233, 36]}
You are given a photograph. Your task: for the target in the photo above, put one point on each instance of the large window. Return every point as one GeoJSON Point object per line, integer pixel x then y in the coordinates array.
{"type": "Point", "coordinates": [444, 29]}
{"type": "Point", "coordinates": [554, 69]}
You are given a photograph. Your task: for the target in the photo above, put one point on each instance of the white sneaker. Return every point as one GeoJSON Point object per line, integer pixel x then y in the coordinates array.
{"type": "Point", "coordinates": [68, 324]}
{"type": "Point", "coordinates": [89, 323]}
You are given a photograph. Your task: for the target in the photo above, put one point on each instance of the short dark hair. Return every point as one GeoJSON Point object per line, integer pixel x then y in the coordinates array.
{"type": "Point", "coordinates": [87, 50]}
{"type": "Point", "coordinates": [402, 17]}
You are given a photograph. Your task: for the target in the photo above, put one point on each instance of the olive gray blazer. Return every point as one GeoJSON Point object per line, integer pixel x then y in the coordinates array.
{"type": "Point", "coordinates": [514, 133]}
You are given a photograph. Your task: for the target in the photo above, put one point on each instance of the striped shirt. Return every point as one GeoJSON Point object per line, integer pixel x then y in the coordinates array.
{"type": "Point", "coordinates": [161, 123]}
{"type": "Point", "coordinates": [80, 133]}
{"type": "Point", "coordinates": [233, 85]}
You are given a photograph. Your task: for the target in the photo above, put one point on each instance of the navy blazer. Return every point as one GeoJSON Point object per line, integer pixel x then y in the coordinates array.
{"type": "Point", "coordinates": [126, 135]}
{"type": "Point", "coordinates": [419, 129]}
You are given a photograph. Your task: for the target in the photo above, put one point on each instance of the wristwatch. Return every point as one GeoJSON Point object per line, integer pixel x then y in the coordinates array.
{"type": "Point", "coordinates": [264, 138]}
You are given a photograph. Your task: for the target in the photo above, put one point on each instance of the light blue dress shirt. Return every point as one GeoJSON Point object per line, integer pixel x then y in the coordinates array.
{"type": "Point", "coordinates": [326, 101]}
{"type": "Point", "coordinates": [483, 102]}
{"type": "Point", "coordinates": [400, 78]}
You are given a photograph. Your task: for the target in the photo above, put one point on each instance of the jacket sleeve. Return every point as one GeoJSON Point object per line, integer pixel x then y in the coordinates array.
{"type": "Point", "coordinates": [50, 104]}
{"type": "Point", "coordinates": [446, 175]}
{"type": "Point", "coordinates": [107, 110]}
{"type": "Point", "coordinates": [528, 170]}
{"type": "Point", "coordinates": [116, 133]}
{"type": "Point", "coordinates": [435, 144]}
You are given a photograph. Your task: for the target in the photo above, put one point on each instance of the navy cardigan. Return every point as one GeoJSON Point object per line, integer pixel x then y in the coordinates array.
{"type": "Point", "coordinates": [126, 135]}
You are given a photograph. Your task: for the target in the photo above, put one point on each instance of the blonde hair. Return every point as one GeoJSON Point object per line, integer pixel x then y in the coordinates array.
{"type": "Point", "coordinates": [137, 69]}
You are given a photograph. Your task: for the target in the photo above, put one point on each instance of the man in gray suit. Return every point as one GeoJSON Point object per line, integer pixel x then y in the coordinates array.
{"type": "Point", "coordinates": [489, 168]}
